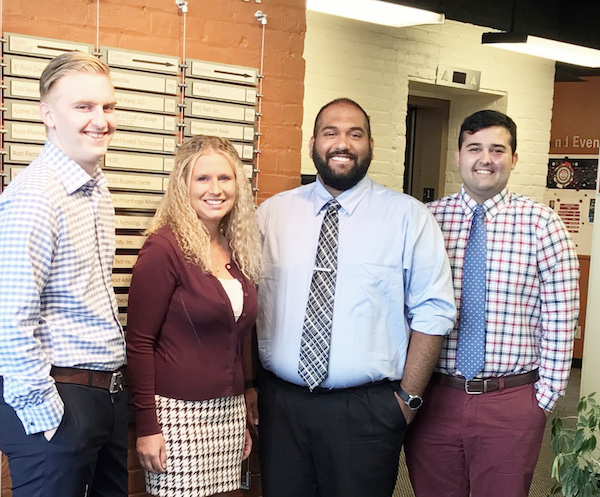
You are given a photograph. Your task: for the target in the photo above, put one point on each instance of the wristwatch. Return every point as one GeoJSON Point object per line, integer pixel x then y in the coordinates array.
{"type": "Point", "coordinates": [412, 401]}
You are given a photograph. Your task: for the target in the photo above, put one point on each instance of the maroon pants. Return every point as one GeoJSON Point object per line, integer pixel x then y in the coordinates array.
{"type": "Point", "coordinates": [480, 445]}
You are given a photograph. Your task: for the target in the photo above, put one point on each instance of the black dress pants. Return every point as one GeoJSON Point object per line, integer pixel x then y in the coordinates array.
{"type": "Point", "coordinates": [343, 443]}
{"type": "Point", "coordinates": [87, 457]}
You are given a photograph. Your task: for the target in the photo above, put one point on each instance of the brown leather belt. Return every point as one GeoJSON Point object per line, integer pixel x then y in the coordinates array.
{"type": "Point", "coordinates": [108, 380]}
{"type": "Point", "coordinates": [485, 385]}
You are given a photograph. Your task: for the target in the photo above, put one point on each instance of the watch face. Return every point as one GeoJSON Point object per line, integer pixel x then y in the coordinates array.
{"type": "Point", "coordinates": [415, 402]}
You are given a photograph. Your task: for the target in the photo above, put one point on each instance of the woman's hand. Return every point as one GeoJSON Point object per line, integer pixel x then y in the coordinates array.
{"type": "Point", "coordinates": [247, 445]}
{"type": "Point", "coordinates": [152, 453]}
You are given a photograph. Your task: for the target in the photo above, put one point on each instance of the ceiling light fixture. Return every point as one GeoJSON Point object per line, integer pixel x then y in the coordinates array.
{"type": "Point", "coordinates": [376, 12]}
{"type": "Point", "coordinates": [543, 47]}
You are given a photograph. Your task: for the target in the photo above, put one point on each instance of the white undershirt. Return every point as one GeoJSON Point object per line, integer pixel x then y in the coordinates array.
{"type": "Point", "coordinates": [233, 289]}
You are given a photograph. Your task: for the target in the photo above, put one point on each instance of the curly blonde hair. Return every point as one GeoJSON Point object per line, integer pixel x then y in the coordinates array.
{"type": "Point", "coordinates": [239, 225]}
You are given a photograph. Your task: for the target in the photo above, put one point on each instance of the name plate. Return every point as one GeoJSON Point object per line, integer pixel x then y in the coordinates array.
{"type": "Point", "coordinates": [22, 111]}
{"type": "Point", "coordinates": [169, 164]}
{"type": "Point", "coordinates": [122, 300]}
{"type": "Point", "coordinates": [22, 88]}
{"type": "Point", "coordinates": [244, 151]}
{"type": "Point", "coordinates": [129, 242]}
{"type": "Point", "coordinates": [29, 68]}
{"type": "Point", "coordinates": [142, 60]}
{"type": "Point", "coordinates": [142, 142]}
{"type": "Point", "coordinates": [225, 112]}
{"type": "Point", "coordinates": [221, 91]}
{"type": "Point", "coordinates": [124, 261]}
{"type": "Point", "coordinates": [13, 171]}
{"type": "Point", "coordinates": [121, 280]}
{"type": "Point", "coordinates": [124, 160]}
{"type": "Point", "coordinates": [145, 122]}
{"type": "Point", "coordinates": [122, 319]}
{"type": "Point", "coordinates": [23, 153]}
{"type": "Point", "coordinates": [229, 131]}
{"type": "Point", "coordinates": [132, 222]}
{"type": "Point", "coordinates": [145, 102]}
{"type": "Point", "coordinates": [143, 182]}
{"type": "Point", "coordinates": [128, 80]}
{"type": "Point", "coordinates": [134, 201]}
{"type": "Point", "coordinates": [31, 45]}
{"type": "Point", "coordinates": [224, 72]}
{"type": "Point", "coordinates": [27, 132]}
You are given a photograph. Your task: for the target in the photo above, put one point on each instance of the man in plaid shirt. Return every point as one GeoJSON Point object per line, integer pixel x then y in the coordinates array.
{"type": "Point", "coordinates": [482, 437]}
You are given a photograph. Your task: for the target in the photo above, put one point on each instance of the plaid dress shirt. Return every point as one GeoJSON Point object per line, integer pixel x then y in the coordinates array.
{"type": "Point", "coordinates": [57, 305]}
{"type": "Point", "coordinates": [532, 296]}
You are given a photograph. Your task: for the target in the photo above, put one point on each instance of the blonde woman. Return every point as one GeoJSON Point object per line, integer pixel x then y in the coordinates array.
{"type": "Point", "coordinates": [192, 301]}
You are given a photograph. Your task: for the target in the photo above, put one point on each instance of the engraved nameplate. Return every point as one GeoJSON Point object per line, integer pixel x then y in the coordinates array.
{"type": "Point", "coordinates": [133, 201]}
{"type": "Point", "coordinates": [142, 142]}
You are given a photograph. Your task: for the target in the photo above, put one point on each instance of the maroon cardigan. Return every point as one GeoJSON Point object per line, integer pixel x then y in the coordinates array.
{"type": "Point", "coordinates": [182, 338]}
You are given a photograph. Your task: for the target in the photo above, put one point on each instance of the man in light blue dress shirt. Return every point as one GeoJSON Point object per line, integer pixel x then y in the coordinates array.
{"type": "Point", "coordinates": [63, 412]}
{"type": "Point", "coordinates": [393, 306]}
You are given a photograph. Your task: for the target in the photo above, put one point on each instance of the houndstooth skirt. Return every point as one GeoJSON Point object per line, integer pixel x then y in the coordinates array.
{"type": "Point", "coordinates": [204, 442]}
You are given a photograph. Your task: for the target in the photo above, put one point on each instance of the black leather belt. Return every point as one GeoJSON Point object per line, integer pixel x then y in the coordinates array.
{"type": "Point", "coordinates": [485, 385]}
{"type": "Point", "coordinates": [107, 380]}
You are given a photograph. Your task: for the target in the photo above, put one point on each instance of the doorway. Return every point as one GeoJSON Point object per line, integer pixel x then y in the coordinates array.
{"type": "Point", "coordinates": [426, 147]}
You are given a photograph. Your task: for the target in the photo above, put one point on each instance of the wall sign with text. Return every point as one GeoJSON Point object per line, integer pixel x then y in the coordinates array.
{"type": "Point", "coordinates": [159, 99]}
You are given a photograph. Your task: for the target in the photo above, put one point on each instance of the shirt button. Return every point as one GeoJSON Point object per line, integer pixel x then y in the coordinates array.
{"type": "Point", "coordinates": [245, 294]}
{"type": "Point", "coordinates": [228, 266]}
{"type": "Point", "coordinates": [243, 314]}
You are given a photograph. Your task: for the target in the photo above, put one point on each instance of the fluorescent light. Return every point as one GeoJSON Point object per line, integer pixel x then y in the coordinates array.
{"type": "Point", "coordinates": [542, 47]}
{"type": "Point", "coordinates": [376, 12]}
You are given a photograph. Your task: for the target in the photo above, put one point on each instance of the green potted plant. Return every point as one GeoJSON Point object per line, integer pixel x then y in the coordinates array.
{"type": "Point", "coordinates": [576, 467]}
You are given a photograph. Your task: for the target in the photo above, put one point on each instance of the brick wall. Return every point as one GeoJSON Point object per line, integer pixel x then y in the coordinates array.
{"type": "Point", "coordinates": [223, 31]}
{"type": "Point", "coordinates": [379, 66]}
{"type": "Point", "coordinates": [217, 30]}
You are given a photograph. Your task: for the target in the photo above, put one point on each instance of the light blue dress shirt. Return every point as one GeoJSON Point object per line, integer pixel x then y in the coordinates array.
{"type": "Point", "coordinates": [393, 276]}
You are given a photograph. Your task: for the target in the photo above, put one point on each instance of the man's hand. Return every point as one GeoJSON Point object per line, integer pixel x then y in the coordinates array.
{"type": "Point", "coordinates": [247, 445]}
{"type": "Point", "coordinates": [409, 414]}
{"type": "Point", "coordinates": [251, 395]}
{"type": "Point", "coordinates": [152, 453]}
{"type": "Point", "coordinates": [50, 433]}
{"type": "Point", "coordinates": [423, 353]}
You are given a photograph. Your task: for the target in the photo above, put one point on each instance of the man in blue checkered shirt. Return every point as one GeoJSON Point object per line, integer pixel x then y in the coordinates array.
{"type": "Point", "coordinates": [63, 412]}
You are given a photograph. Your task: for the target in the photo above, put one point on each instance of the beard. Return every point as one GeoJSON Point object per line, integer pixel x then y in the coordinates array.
{"type": "Point", "coordinates": [345, 180]}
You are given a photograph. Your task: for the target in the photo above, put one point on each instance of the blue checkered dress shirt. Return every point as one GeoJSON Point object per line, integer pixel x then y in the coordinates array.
{"type": "Point", "coordinates": [57, 305]}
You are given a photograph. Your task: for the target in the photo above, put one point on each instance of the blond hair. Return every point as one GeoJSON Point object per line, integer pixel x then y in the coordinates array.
{"type": "Point", "coordinates": [68, 63]}
{"type": "Point", "coordinates": [239, 225]}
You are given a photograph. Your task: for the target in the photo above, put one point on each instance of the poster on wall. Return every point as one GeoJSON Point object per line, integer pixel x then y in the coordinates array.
{"type": "Point", "coordinates": [572, 173]}
{"type": "Point", "coordinates": [571, 184]}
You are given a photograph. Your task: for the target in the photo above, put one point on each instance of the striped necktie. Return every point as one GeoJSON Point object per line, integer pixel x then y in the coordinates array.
{"type": "Point", "coordinates": [316, 332]}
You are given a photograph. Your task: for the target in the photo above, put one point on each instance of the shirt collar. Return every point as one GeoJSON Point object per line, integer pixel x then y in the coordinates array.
{"type": "Point", "coordinates": [348, 199]}
{"type": "Point", "coordinates": [68, 172]}
{"type": "Point", "coordinates": [491, 206]}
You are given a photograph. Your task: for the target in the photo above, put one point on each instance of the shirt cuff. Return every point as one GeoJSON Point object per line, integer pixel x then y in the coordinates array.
{"type": "Point", "coordinates": [546, 398]}
{"type": "Point", "coordinates": [42, 417]}
{"type": "Point", "coordinates": [146, 422]}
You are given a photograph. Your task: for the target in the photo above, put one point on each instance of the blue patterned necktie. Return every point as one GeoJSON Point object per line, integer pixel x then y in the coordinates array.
{"type": "Point", "coordinates": [316, 333]}
{"type": "Point", "coordinates": [471, 340]}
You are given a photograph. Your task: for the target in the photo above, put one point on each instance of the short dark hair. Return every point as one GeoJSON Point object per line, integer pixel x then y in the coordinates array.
{"type": "Point", "coordinates": [344, 101]}
{"type": "Point", "coordinates": [485, 119]}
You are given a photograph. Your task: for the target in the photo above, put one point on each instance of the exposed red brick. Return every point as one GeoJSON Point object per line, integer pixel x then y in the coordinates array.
{"type": "Point", "coordinates": [217, 30]}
